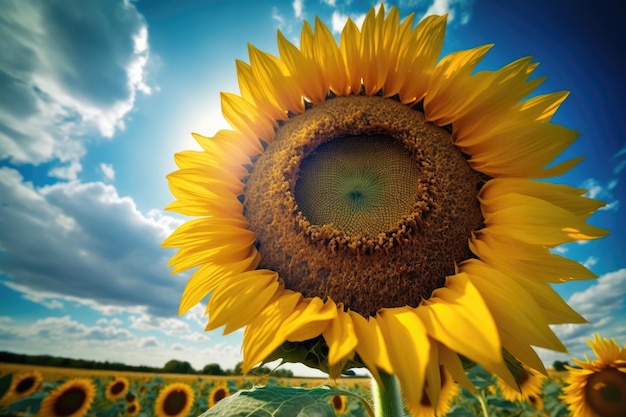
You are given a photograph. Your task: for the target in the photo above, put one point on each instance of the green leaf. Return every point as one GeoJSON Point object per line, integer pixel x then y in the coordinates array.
{"type": "Point", "coordinates": [32, 403]}
{"type": "Point", "coordinates": [460, 412]}
{"type": "Point", "coordinates": [277, 401]}
{"type": "Point", "coordinates": [5, 384]}
{"type": "Point", "coordinates": [502, 404]}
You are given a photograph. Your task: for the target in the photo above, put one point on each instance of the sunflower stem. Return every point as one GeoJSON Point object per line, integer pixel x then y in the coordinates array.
{"type": "Point", "coordinates": [483, 403]}
{"type": "Point", "coordinates": [386, 395]}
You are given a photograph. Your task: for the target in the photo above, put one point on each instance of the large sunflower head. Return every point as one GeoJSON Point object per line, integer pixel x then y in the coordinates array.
{"type": "Point", "coordinates": [116, 389]}
{"type": "Point", "coordinates": [374, 203]}
{"type": "Point", "coordinates": [71, 399]}
{"type": "Point", "coordinates": [175, 400]}
{"type": "Point", "coordinates": [598, 387]}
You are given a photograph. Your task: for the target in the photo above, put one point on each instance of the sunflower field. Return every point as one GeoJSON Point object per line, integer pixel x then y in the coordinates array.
{"type": "Point", "coordinates": [64, 392]}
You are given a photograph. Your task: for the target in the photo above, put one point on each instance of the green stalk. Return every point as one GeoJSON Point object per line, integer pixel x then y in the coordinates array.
{"type": "Point", "coordinates": [387, 398]}
{"type": "Point", "coordinates": [483, 403]}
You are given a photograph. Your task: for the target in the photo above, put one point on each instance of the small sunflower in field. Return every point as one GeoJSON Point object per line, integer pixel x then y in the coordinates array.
{"type": "Point", "coordinates": [339, 403]}
{"type": "Point", "coordinates": [377, 206]}
{"type": "Point", "coordinates": [116, 389]}
{"type": "Point", "coordinates": [23, 385]}
{"type": "Point", "coordinates": [71, 399]}
{"type": "Point", "coordinates": [133, 408]}
{"type": "Point", "coordinates": [218, 393]}
{"type": "Point", "coordinates": [174, 400]}
{"type": "Point", "coordinates": [529, 385]}
{"type": "Point", "coordinates": [437, 402]}
{"type": "Point", "coordinates": [598, 388]}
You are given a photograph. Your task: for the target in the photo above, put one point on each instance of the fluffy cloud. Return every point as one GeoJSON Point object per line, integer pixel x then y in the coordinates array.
{"type": "Point", "coordinates": [66, 337]}
{"type": "Point", "coordinates": [108, 171]}
{"type": "Point", "coordinates": [82, 242]}
{"type": "Point", "coordinates": [600, 304]}
{"type": "Point", "coordinates": [70, 69]}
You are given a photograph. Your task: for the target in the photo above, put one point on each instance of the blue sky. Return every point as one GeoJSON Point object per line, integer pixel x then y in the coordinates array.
{"type": "Point", "coordinates": [96, 97]}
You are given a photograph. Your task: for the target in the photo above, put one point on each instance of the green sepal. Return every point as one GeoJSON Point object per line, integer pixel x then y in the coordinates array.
{"type": "Point", "coordinates": [312, 353]}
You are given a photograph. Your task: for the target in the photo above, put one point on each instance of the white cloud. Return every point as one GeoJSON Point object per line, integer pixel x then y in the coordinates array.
{"type": "Point", "coordinates": [602, 298]}
{"type": "Point", "coordinates": [338, 20]}
{"type": "Point", "coordinates": [66, 337]}
{"type": "Point", "coordinates": [167, 325]}
{"type": "Point", "coordinates": [298, 9]}
{"type": "Point", "coordinates": [603, 192]}
{"type": "Point", "coordinates": [83, 243]}
{"type": "Point", "coordinates": [108, 171]}
{"type": "Point", "coordinates": [590, 261]}
{"type": "Point", "coordinates": [602, 305]}
{"type": "Point", "coordinates": [458, 11]}
{"type": "Point", "coordinates": [70, 70]}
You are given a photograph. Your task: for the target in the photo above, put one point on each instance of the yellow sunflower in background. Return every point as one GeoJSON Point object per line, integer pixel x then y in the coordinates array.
{"type": "Point", "coordinates": [529, 385]}
{"type": "Point", "coordinates": [598, 388]}
{"type": "Point", "coordinates": [133, 408]}
{"type": "Point", "coordinates": [22, 385]}
{"type": "Point", "coordinates": [116, 389]}
{"type": "Point", "coordinates": [71, 399]}
{"type": "Point", "coordinates": [175, 400]}
{"type": "Point", "coordinates": [445, 393]}
{"type": "Point", "coordinates": [339, 403]}
{"type": "Point", "coordinates": [218, 393]}
{"type": "Point", "coordinates": [379, 205]}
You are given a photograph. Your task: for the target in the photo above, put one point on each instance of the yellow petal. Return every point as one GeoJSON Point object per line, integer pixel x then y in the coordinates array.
{"type": "Point", "coordinates": [514, 310]}
{"type": "Point", "coordinates": [260, 336]}
{"type": "Point", "coordinates": [450, 85]}
{"type": "Point", "coordinates": [236, 301]}
{"type": "Point", "coordinates": [307, 74]}
{"type": "Point", "coordinates": [409, 347]}
{"type": "Point", "coordinates": [451, 361]}
{"type": "Point", "coordinates": [518, 150]}
{"type": "Point", "coordinates": [456, 315]}
{"type": "Point", "coordinates": [246, 118]}
{"type": "Point", "coordinates": [373, 72]}
{"type": "Point", "coordinates": [527, 261]}
{"type": "Point", "coordinates": [206, 278]}
{"type": "Point", "coordinates": [230, 145]}
{"type": "Point", "coordinates": [417, 64]}
{"type": "Point", "coordinates": [371, 345]}
{"type": "Point", "coordinates": [564, 196]}
{"type": "Point", "coordinates": [340, 337]}
{"type": "Point", "coordinates": [327, 54]}
{"type": "Point", "coordinates": [280, 92]}
{"type": "Point", "coordinates": [309, 319]}
{"type": "Point", "coordinates": [349, 47]}
{"type": "Point", "coordinates": [535, 221]}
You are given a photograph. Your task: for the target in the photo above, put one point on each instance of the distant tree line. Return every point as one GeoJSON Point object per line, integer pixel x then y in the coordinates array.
{"type": "Point", "coordinates": [173, 366]}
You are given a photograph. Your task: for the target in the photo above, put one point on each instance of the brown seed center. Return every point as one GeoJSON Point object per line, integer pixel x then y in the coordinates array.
{"type": "Point", "coordinates": [360, 200]}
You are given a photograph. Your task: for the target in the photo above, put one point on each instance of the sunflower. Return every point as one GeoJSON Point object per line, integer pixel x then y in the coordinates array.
{"type": "Point", "coordinates": [445, 393]}
{"type": "Point", "coordinates": [598, 388]}
{"type": "Point", "coordinates": [133, 408]}
{"type": "Point", "coordinates": [175, 400]}
{"type": "Point", "coordinates": [218, 393]}
{"type": "Point", "coordinates": [117, 389]}
{"type": "Point", "coordinates": [528, 388]}
{"type": "Point", "coordinates": [339, 403]}
{"type": "Point", "coordinates": [71, 399]}
{"type": "Point", "coordinates": [23, 385]}
{"type": "Point", "coordinates": [376, 206]}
